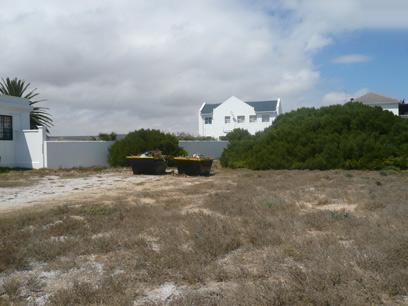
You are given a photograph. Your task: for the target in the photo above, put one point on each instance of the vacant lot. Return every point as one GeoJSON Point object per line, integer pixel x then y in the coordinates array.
{"type": "Point", "coordinates": [236, 238]}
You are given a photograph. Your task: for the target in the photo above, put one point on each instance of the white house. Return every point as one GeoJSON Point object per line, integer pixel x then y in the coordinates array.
{"type": "Point", "coordinates": [386, 103]}
{"type": "Point", "coordinates": [25, 148]}
{"type": "Point", "coordinates": [14, 124]}
{"type": "Point", "coordinates": [217, 120]}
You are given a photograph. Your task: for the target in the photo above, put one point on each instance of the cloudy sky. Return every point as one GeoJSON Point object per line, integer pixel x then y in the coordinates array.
{"type": "Point", "coordinates": [126, 64]}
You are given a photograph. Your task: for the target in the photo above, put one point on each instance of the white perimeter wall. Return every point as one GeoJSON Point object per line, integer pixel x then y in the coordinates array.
{"type": "Point", "coordinates": [30, 149]}
{"type": "Point", "coordinates": [73, 154]}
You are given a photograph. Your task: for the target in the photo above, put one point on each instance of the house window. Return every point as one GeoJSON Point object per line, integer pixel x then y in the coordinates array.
{"type": "Point", "coordinates": [208, 120]}
{"type": "Point", "coordinates": [6, 127]}
{"type": "Point", "coordinates": [227, 119]}
{"type": "Point", "coordinates": [240, 119]}
{"type": "Point", "coordinates": [252, 118]}
{"type": "Point", "coordinates": [265, 118]}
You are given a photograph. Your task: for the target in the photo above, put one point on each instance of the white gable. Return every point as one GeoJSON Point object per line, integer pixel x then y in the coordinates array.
{"type": "Point", "coordinates": [233, 107]}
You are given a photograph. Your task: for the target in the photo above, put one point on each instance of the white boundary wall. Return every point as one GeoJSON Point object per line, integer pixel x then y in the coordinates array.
{"type": "Point", "coordinates": [75, 154]}
{"type": "Point", "coordinates": [30, 151]}
{"type": "Point", "coordinates": [33, 151]}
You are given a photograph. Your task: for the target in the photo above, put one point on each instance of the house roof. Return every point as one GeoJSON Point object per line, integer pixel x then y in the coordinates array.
{"type": "Point", "coordinates": [15, 102]}
{"type": "Point", "coordinates": [374, 98]}
{"type": "Point", "coordinates": [263, 106]}
{"type": "Point", "coordinates": [259, 106]}
{"type": "Point", "coordinates": [208, 108]}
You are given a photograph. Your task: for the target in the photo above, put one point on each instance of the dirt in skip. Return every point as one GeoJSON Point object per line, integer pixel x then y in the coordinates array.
{"type": "Point", "coordinates": [238, 237]}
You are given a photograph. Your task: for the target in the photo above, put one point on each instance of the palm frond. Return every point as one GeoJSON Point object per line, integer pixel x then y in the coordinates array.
{"type": "Point", "coordinates": [20, 88]}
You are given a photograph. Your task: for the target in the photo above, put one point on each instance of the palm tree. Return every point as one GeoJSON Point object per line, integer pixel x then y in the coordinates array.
{"type": "Point", "coordinates": [20, 88]}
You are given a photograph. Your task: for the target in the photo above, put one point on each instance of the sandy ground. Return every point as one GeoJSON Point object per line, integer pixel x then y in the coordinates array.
{"type": "Point", "coordinates": [171, 203]}
{"type": "Point", "coordinates": [50, 188]}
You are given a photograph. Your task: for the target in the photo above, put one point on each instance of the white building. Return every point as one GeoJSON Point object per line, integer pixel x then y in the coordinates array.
{"type": "Point", "coordinates": [386, 103]}
{"type": "Point", "coordinates": [217, 120]}
{"type": "Point", "coordinates": [14, 123]}
{"type": "Point", "coordinates": [25, 148]}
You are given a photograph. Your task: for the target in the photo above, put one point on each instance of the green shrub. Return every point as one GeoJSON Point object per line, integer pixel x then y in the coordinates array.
{"type": "Point", "coordinates": [235, 155]}
{"type": "Point", "coordinates": [187, 136]}
{"type": "Point", "coordinates": [107, 137]}
{"type": "Point", "coordinates": [141, 141]}
{"type": "Point", "coordinates": [350, 136]}
{"type": "Point", "coordinates": [236, 135]}
{"type": "Point", "coordinates": [97, 210]}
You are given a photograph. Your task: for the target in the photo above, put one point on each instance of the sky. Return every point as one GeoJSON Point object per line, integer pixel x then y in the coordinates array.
{"type": "Point", "coordinates": [122, 65]}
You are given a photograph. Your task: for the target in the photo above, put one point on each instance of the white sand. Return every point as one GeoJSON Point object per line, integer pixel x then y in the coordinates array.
{"type": "Point", "coordinates": [50, 187]}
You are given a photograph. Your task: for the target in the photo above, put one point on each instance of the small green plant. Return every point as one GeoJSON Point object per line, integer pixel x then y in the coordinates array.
{"type": "Point", "coordinates": [34, 283]}
{"type": "Point", "coordinates": [276, 203]}
{"type": "Point", "coordinates": [340, 215]}
{"type": "Point", "coordinates": [97, 210]}
{"type": "Point", "coordinates": [269, 204]}
{"type": "Point", "coordinates": [389, 170]}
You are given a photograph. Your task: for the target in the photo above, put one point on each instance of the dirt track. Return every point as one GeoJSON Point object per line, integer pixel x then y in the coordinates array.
{"type": "Point", "coordinates": [52, 189]}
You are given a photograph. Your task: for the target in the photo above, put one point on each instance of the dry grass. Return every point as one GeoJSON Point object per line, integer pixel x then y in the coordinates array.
{"type": "Point", "coordinates": [236, 238]}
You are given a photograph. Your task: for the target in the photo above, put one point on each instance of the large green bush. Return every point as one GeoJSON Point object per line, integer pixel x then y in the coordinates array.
{"type": "Point", "coordinates": [187, 136]}
{"type": "Point", "coordinates": [236, 135]}
{"type": "Point", "coordinates": [141, 141]}
{"type": "Point", "coordinates": [350, 136]}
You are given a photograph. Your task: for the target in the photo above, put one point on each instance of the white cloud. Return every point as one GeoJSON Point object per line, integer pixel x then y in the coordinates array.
{"type": "Point", "coordinates": [120, 65]}
{"type": "Point", "coordinates": [341, 97]}
{"type": "Point", "coordinates": [351, 59]}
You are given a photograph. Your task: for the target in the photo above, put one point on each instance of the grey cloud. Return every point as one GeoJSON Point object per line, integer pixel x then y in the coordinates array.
{"type": "Point", "coordinates": [121, 65]}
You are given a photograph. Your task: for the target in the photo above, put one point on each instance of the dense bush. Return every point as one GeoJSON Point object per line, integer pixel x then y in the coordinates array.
{"type": "Point", "coordinates": [141, 141]}
{"type": "Point", "coordinates": [107, 137]}
{"type": "Point", "coordinates": [350, 136]}
{"type": "Point", "coordinates": [236, 135]}
{"type": "Point", "coordinates": [241, 142]}
{"type": "Point", "coordinates": [187, 136]}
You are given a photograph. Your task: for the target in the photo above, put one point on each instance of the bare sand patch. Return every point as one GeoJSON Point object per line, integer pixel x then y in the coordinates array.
{"type": "Point", "coordinates": [54, 188]}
